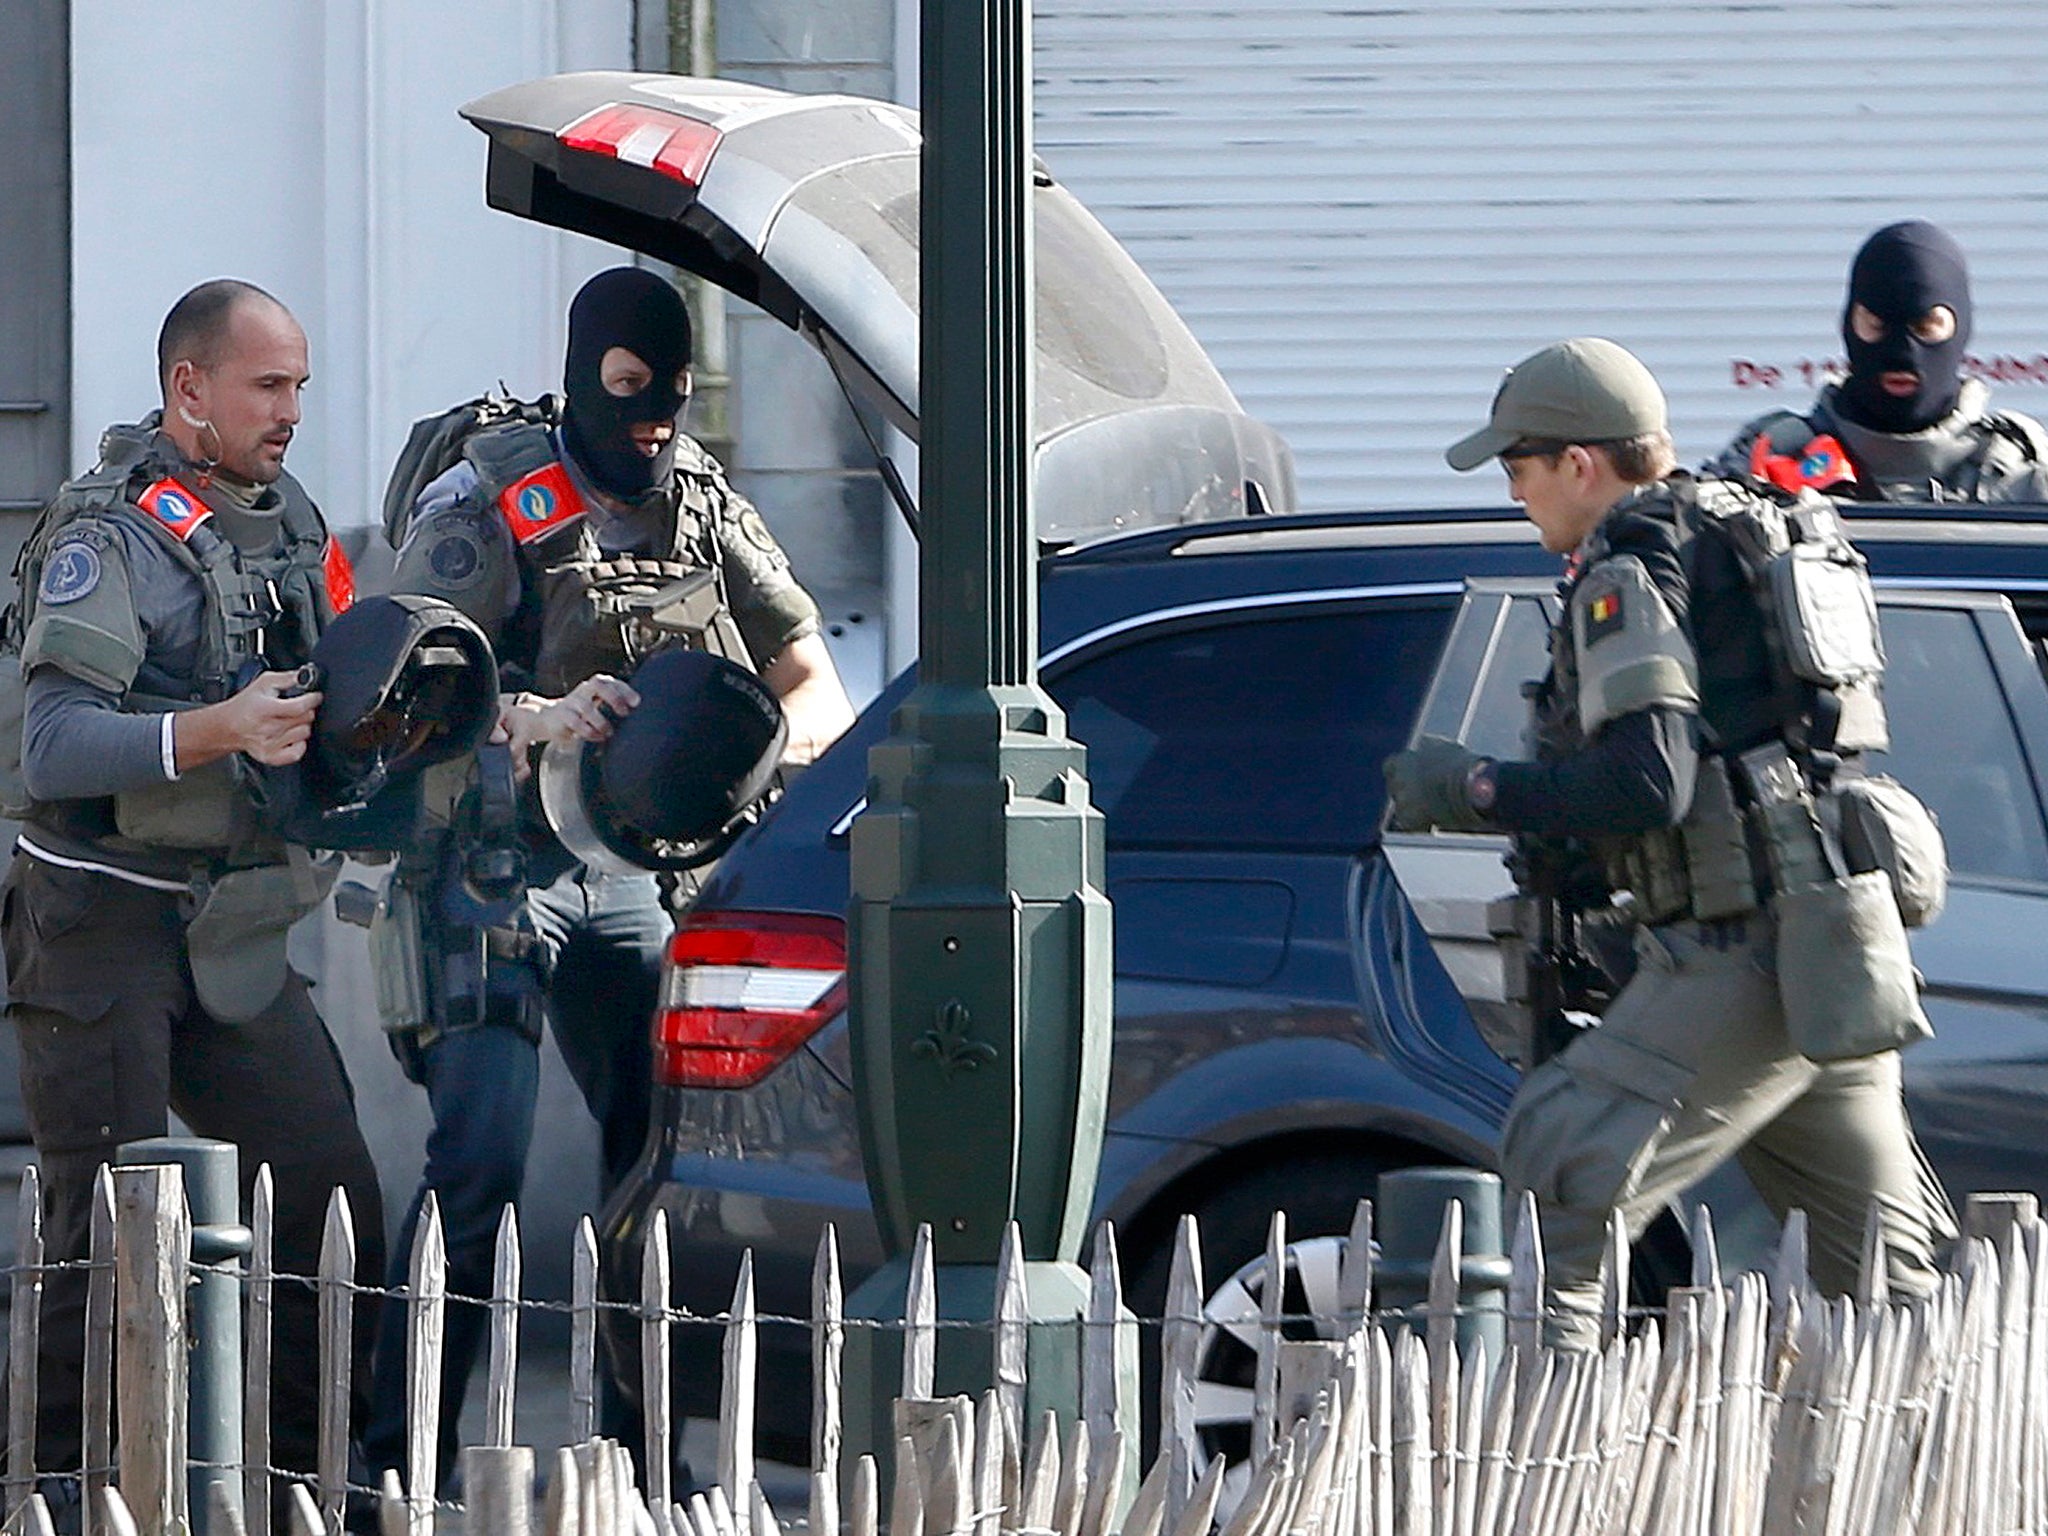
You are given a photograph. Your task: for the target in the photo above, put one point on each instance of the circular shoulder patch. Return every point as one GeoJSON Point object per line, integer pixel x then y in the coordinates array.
{"type": "Point", "coordinates": [757, 531]}
{"type": "Point", "coordinates": [456, 559]}
{"type": "Point", "coordinates": [71, 572]}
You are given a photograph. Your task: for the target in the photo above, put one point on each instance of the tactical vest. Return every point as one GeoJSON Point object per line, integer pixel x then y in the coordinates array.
{"type": "Point", "coordinates": [259, 612]}
{"type": "Point", "coordinates": [1812, 600]}
{"type": "Point", "coordinates": [1975, 454]}
{"type": "Point", "coordinates": [583, 610]}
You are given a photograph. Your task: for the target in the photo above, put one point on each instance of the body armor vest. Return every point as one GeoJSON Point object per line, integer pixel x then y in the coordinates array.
{"type": "Point", "coordinates": [584, 610]}
{"type": "Point", "coordinates": [260, 611]}
{"type": "Point", "coordinates": [1823, 700]}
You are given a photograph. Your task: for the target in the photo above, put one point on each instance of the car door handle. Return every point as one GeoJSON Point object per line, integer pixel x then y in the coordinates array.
{"type": "Point", "coordinates": [23, 407]}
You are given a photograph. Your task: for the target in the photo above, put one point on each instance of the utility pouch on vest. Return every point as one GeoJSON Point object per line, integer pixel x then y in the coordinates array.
{"type": "Point", "coordinates": [1845, 975]}
{"type": "Point", "coordinates": [14, 799]}
{"type": "Point", "coordinates": [1885, 827]}
{"type": "Point", "coordinates": [207, 808]}
{"type": "Point", "coordinates": [236, 941]}
{"type": "Point", "coordinates": [1716, 848]}
{"type": "Point", "coordinates": [1827, 614]}
{"type": "Point", "coordinates": [398, 956]}
{"type": "Point", "coordinates": [1782, 809]}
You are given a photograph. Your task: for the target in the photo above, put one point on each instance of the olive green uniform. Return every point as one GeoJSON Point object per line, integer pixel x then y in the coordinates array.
{"type": "Point", "coordinates": [1692, 1062]}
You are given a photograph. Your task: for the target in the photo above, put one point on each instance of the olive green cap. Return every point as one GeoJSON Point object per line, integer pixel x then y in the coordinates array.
{"type": "Point", "coordinates": [1585, 390]}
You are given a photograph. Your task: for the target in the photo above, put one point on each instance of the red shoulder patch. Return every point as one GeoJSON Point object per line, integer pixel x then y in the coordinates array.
{"type": "Point", "coordinates": [339, 575]}
{"type": "Point", "coordinates": [1822, 464]}
{"type": "Point", "coordinates": [539, 503]}
{"type": "Point", "coordinates": [176, 510]}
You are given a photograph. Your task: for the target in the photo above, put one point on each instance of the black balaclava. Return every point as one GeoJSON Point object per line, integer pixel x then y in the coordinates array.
{"type": "Point", "coordinates": [635, 309]}
{"type": "Point", "coordinates": [1902, 272]}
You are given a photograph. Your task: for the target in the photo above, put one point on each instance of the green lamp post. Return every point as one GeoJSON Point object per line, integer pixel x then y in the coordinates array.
{"type": "Point", "coordinates": [979, 932]}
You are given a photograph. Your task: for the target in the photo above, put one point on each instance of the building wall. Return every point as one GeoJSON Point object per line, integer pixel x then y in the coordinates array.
{"type": "Point", "coordinates": [797, 449]}
{"type": "Point", "coordinates": [1366, 212]}
{"type": "Point", "coordinates": [313, 148]}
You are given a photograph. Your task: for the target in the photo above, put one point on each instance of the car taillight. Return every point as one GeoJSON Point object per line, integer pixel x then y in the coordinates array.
{"type": "Point", "coordinates": [741, 991]}
{"type": "Point", "coordinates": [678, 147]}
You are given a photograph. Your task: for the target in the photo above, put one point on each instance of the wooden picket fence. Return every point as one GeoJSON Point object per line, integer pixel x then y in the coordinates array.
{"type": "Point", "coordinates": [1756, 1406]}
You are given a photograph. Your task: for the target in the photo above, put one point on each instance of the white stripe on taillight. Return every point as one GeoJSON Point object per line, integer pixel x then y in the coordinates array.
{"type": "Point", "coordinates": [771, 989]}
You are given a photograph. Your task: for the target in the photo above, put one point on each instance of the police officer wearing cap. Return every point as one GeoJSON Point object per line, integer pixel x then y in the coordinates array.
{"type": "Point", "coordinates": [167, 598]}
{"type": "Point", "coordinates": [582, 546]}
{"type": "Point", "coordinates": [1904, 425]}
{"type": "Point", "coordinates": [1661, 725]}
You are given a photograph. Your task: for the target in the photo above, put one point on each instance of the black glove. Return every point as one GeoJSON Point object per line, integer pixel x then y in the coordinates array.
{"type": "Point", "coordinates": [1427, 787]}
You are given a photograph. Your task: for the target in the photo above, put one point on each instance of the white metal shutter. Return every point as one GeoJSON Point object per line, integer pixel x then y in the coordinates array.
{"type": "Point", "coordinates": [1366, 212]}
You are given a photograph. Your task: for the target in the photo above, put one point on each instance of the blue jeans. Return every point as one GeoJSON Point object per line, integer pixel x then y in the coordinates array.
{"type": "Point", "coordinates": [602, 937]}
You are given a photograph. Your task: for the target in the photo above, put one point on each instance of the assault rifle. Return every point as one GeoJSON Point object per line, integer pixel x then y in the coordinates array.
{"type": "Point", "coordinates": [1548, 974]}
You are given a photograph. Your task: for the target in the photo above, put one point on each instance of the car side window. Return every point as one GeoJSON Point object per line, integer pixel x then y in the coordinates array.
{"type": "Point", "coordinates": [1253, 732]}
{"type": "Point", "coordinates": [1521, 655]}
{"type": "Point", "coordinates": [1954, 744]}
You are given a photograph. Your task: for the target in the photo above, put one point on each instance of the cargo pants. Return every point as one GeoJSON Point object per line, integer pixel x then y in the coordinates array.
{"type": "Point", "coordinates": [111, 1038]}
{"type": "Point", "coordinates": [1691, 1065]}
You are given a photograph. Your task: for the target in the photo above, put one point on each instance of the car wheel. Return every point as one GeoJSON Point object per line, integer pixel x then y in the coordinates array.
{"type": "Point", "coordinates": [1226, 1361]}
{"type": "Point", "coordinates": [1318, 1191]}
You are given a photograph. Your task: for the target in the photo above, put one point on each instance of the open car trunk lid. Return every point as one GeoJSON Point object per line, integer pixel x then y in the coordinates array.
{"type": "Point", "coordinates": [807, 206]}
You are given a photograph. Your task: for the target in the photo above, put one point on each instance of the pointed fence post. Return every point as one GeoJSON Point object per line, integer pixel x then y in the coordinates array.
{"type": "Point", "coordinates": [583, 1335]}
{"type": "Point", "coordinates": [1266, 1366]}
{"type": "Point", "coordinates": [1180, 1345]}
{"type": "Point", "coordinates": [260, 1288]}
{"type": "Point", "coordinates": [24, 1335]}
{"type": "Point", "coordinates": [736, 1400]}
{"type": "Point", "coordinates": [153, 1243]}
{"type": "Point", "coordinates": [906, 1497]}
{"type": "Point", "coordinates": [987, 1468]}
{"type": "Point", "coordinates": [426, 1305]}
{"type": "Point", "coordinates": [561, 1510]}
{"type": "Point", "coordinates": [828, 1351]}
{"type": "Point", "coordinates": [654, 1362]}
{"type": "Point", "coordinates": [98, 1385]}
{"type": "Point", "coordinates": [1354, 1275]}
{"type": "Point", "coordinates": [337, 1325]}
{"type": "Point", "coordinates": [1106, 1481]}
{"type": "Point", "coordinates": [1614, 1282]}
{"type": "Point", "coordinates": [1526, 1279]}
{"type": "Point", "coordinates": [865, 1509]}
{"type": "Point", "coordinates": [920, 1318]}
{"type": "Point", "coordinates": [1109, 1358]}
{"type": "Point", "coordinates": [501, 1395]}
{"type": "Point", "coordinates": [1011, 1313]}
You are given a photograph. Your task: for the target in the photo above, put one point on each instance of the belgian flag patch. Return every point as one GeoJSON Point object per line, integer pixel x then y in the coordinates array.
{"type": "Point", "coordinates": [1604, 615]}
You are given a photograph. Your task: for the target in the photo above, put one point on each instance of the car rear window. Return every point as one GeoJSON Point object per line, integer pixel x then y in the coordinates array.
{"type": "Point", "coordinates": [1260, 733]}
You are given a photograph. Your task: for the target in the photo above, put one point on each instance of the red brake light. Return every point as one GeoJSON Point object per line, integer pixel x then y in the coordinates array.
{"type": "Point", "coordinates": [678, 147]}
{"type": "Point", "coordinates": [741, 991]}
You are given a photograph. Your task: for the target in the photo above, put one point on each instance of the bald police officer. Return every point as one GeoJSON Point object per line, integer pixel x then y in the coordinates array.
{"type": "Point", "coordinates": [1662, 722]}
{"type": "Point", "coordinates": [582, 546]}
{"type": "Point", "coordinates": [168, 594]}
{"type": "Point", "coordinates": [1904, 425]}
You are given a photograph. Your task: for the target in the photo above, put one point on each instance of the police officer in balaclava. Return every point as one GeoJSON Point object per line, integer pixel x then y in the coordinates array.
{"type": "Point", "coordinates": [1905, 423]}
{"type": "Point", "coordinates": [581, 540]}
{"type": "Point", "coordinates": [624, 437]}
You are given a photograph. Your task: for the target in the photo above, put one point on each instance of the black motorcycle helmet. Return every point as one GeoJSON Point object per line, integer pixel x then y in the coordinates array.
{"type": "Point", "coordinates": [672, 787]}
{"type": "Point", "coordinates": [406, 682]}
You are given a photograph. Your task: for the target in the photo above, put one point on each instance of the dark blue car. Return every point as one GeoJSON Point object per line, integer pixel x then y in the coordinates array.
{"type": "Point", "coordinates": [1285, 1026]}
